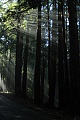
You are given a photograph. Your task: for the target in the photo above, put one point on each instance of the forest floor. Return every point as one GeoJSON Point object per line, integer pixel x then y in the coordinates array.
{"type": "Point", "coordinates": [44, 109]}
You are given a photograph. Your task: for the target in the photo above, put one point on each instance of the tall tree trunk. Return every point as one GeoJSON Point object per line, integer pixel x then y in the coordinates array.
{"type": "Point", "coordinates": [52, 69]}
{"type": "Point", "coordinates": [24, 80]}
{"type": "Point", "coordinates": [60, 57]}
{"type": "Point", "coordinates": [66, 69]}
{"type": "Point", "coordinates": [49, 62]}
{"type": "Point", "coordinates": [19, 49]}
{"type": "Point", "coordinates": [18, 67]}
{"type": "Point", "coordinates": [38, 60]}
{"type": "Point", "coordinates": [74, 55]}
{"type": "Point", "coordinates": [42, 78]}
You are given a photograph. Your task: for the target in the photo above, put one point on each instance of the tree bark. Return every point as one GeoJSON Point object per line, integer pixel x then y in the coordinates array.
{"type": "Point", "coordinates": [38, 60]}
{"type": "Point", "coordinates": [18, 67]}
{"type": "Point", "coordinates": [60, 58]}
{"type": "Point", "coordinates": [24, 80]}
{"type": "Point", "coordinates": [74, 55]}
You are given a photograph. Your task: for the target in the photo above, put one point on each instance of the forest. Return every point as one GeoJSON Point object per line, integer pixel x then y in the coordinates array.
{"type": "Point", "coordinates": [40, 51]}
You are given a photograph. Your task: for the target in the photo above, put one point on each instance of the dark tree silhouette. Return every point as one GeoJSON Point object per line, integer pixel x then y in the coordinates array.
{"type": "Point", "coordinates": [52, 72]}
{"type": "Point", "coordinates": [18, 67]}
{"type": "Point", "coordinates": [74, 55]}
{"type": "Point", "coordinates": [38, 60]}
{"type": "Point", "coordinates": [60, 57]}
{"type": "Point", "coordinates": [25, 59]}
{"type": "Point", "coordinates": [66, 69]}
{"type": "Point", "coordinates": [19, 49]}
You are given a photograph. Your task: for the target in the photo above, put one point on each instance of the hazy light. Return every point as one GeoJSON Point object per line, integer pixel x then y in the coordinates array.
{"type": "Point", "coordinates": [2, 85]}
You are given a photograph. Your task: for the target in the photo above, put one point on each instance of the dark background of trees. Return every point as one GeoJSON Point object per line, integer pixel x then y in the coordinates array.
{"type": "Point", "coordinates": [46, 69]}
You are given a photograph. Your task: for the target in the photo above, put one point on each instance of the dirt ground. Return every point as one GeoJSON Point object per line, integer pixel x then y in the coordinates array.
{"type": "Point", "coordinates": [42, 109]}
